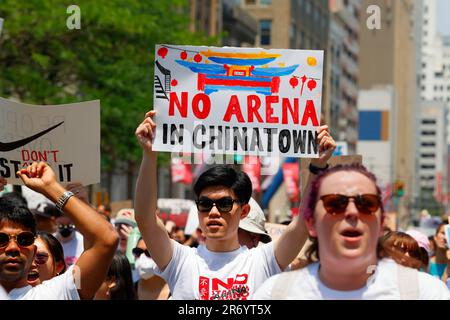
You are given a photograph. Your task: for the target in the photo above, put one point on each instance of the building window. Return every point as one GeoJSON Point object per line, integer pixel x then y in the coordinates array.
{"type": "Point", "coordinates": [428, 155]}
{"type": "Point", "coordinates": [265, 27]}
{"type": "Point", "coordinates": [265, 2]}
{"type": "Point", "coordinates": [428, 133]}
{"type": "Point", "coordinates": [427, 166]}
{"type": "Point", "coordinates": [428, 144]}
{"type": "Point", "coordinates": [250, 1]}
{"type": "Point", "coordinates": [428, 121]}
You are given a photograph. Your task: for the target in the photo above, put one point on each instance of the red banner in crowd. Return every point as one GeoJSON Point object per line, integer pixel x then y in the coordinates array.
{"type": "Point", "coordinates": [181, 172]}
{"type": "Point", "coordinates": [438, 188]}
{"type": "Point", "coordinates": [291, 174]}
{"type": "Point", "coordinates": [252, 167]}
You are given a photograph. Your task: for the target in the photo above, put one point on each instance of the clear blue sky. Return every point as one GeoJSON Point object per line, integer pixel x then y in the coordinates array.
{"type": "Point", "coordinates": [443, 21]}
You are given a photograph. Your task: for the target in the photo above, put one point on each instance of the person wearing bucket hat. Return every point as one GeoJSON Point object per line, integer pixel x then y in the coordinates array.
{"type": "Point", "coordinates": [124, 223]}
{"type": "Point", "coordinates": [251, 229]}
{"type": "Point", "coordinates": [125, 216]}
{"type": "Point", "coordinates": [45, 215]}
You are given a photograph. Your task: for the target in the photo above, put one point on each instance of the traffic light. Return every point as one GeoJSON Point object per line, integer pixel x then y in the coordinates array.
{"type": "Point", "coordinates": [399, 188]}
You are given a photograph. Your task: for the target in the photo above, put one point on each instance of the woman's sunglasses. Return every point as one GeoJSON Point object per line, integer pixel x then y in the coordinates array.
{"type": "Point", "coordinates": [23, 239]}
{"type": "Point", "coordinates": [41, 258]}
{"type": "Point", "coordinates": [224, 205]}
{"type": "Point", "coordinates": [138, 251]}
{"type": "Point", "coordinates": [337, 203]}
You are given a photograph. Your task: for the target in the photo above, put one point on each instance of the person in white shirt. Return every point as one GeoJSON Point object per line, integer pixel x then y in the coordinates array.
{"type": "Point", "coordinates": [344, 216]}
{"type": "Point", "coordinates": [3, 294]}
{"type": "Point", "coordinates": [70, 239]}
{"type": "Point", "coordinates": [222, 268]}
{"type": "Point", "coordinates": [17, 248]}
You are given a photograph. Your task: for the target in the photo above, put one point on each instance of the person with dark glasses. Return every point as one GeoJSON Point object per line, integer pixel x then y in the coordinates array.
{"type": "Point", "coordinates": [18, 250]}
{"type": "Point", "coordinates": [344, 215]}
{"type": "Point", "coordinates": [221, 268]}
{"type": "Point", "coordinates": [49, 260]}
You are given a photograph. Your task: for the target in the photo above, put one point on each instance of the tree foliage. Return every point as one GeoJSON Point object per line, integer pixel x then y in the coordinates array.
{"type": "Point", "coordinates": [110, 58]}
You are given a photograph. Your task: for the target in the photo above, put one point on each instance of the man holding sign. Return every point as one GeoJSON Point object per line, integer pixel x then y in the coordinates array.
{"type": "Point", "coordinates": [221, 269]}
{"type": "Point", "coordinates": [238, 100]}
{"type": "Point", "coordinates": [18, 251]}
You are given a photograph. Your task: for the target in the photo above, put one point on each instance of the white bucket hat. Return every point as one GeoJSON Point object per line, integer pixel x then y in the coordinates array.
{"type": "Point", "coordinates": [255, 220]}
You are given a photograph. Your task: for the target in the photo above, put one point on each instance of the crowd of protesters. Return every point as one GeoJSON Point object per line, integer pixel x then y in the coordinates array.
{"type": "Point", "coordinates": [71, 250]}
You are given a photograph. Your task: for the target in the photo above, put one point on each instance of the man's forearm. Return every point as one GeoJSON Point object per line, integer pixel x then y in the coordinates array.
{"type": "Point", "coordinates": [146, 190]}
{"type": "Point", "coordinates": [87, 221]}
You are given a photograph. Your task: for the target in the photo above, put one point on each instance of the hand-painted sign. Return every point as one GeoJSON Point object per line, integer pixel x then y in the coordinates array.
{"type": "Point", "coordinates": [237, 100]}
{"type": "Point", "coordinates": [341, 149]}
{"type": "Point", "coordinates": [67, 137]}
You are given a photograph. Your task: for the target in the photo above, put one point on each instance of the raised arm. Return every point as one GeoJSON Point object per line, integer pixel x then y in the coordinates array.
{"type": "Point", "coordinates": [2, 183]}
{"type": "Point", "coordinates": [94, 262]}
{"type": "Point", "coordinates": [145, 201]}
{"type": "Point", "coordinates": [294, 237]}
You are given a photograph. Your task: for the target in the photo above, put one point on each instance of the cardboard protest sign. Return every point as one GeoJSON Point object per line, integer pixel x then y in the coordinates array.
{"type": "Point", "coordinates": [67, 137]}
{"type": "Point", "coordinates": [244, 101]}
{"type": "Point", "coordinates": [447, 235]}
{"type": "Point", "coordinates": [252, 167]}
{"type": "Point", "coordinates": [341, 149]}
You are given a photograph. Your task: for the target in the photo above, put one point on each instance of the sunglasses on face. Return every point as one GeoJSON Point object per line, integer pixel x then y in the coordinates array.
{"type": "Point", "coordinates": [41, 258]}
{"type": "Point", "coordinates": [138, 251]}
{"type": "Point", "coordinates": [68, 226]}
{"type": "Point", "coordinates": [224, 205]}
{"type": "Point", "coordinates": [337, 203]}
{"type": "Point", "coordinates": [23, 239]}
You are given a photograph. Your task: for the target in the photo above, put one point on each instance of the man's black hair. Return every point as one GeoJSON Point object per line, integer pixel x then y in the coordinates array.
{"type": "Point", "coordinates": [226, 176]}
{"type": "Point", "coordinates": [16, 197]}
{"type": "Point", "coordinates": [13, 212]}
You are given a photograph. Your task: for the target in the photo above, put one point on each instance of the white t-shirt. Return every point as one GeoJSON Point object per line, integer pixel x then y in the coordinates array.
{"type": "Point", "coordinates": [61, 287]}
{"type": "Point", "coordinates": [73, 249]}
{"type": "Point", "coordinates": [3, 294]}
{"type": "Point", "coordinates": [383, 285]}
{"type": "Point", "coordinates": [197, 273]}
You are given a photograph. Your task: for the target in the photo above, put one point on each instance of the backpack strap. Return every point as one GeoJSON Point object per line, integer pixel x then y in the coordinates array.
{"type": "Point", "coordinates": [282, 285]}
{"type": "Point", "coordinates": [408, 283]}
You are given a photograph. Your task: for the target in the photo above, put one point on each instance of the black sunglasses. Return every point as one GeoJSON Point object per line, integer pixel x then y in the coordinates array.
{"type": "Point", "coordinates": [68, 226]}
{"type": "Point", "coordinates": [23, 239]}
{"type": "Point", "coordinates": [138, 251]}
{"type": "Point", "coordinates": [337, 203]}
{"type": "Point", "coordinates": [224, 205]}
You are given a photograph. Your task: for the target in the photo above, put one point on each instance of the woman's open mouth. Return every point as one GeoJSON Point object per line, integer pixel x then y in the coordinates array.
{"type": "Point", "coordinates": [33, 276]}
{"type": "Point", "coordinates": [352, 235]}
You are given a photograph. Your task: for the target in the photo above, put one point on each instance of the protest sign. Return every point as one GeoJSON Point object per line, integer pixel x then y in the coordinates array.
{"type": "Point", "coordinates": [243, 101]}
{"type": "Point", "coordinates": [176, 210]}
{"type": "Point", "coordinates": [67, 137]}
{"type": "Point", "coordinates": [291, 179]}
{"type": "Point", "coordinates": [447, 235]}
{"type": "Point", "coordinates": [341, 149]}
{"type": "Point", "coordinates": [180, 171]}
{"type": "Point", "coordinates": [252, 167]}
